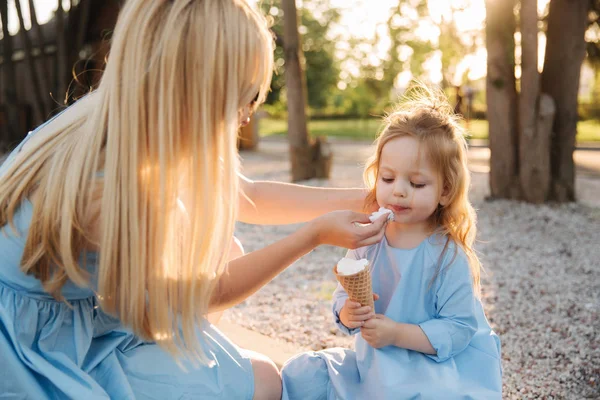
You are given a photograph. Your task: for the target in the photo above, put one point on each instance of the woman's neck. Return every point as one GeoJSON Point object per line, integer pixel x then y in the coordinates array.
{"type": "Point", "coordinates": [407, 236]}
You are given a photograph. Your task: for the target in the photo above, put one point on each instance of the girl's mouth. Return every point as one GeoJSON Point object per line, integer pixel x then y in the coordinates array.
{"type": "Point", "coordinates": [399, 209]}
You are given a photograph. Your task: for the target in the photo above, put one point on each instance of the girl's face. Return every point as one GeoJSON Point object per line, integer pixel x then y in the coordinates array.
{"type": "Point", "coordinates": [407, 183]}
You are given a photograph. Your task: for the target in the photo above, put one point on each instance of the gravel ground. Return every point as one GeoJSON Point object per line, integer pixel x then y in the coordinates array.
{"type": "Point", "coordinates": [541, 289]}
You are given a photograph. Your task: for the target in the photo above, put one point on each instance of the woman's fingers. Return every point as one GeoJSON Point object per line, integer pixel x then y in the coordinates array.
{"type": "Point", "coordinates": [360, 218]}
{"type": "Point", "coordinates": [371, 233]}
{"type": "Point", "coordinates": [372, 239]}
{"type": "Point", "coordinates": [348, 229]}
{"type": "Point", "coordinates": [365, 222]}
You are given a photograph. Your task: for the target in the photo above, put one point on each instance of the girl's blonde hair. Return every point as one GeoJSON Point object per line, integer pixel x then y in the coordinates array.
{"type": "Point", "coordinates": [425, 114]}
{"type": "Point", "coordinates": [162, 129]}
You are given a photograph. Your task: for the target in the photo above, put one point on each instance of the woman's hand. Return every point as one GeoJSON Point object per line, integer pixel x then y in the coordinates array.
{"type": "Point", "coordinates": [348, 229]}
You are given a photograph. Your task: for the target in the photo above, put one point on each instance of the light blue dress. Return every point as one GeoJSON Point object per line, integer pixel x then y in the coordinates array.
{"type": "Point", "coordinates": [467, 364]}
{"type": "Point", "coordinates": [49, 350]}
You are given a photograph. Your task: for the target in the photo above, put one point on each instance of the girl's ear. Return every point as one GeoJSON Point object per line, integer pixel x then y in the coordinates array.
{"type": "Point", "coordinates": [445, 196]}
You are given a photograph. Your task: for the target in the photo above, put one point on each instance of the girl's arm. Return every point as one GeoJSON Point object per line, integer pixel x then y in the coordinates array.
{"type": "Point", "coordinates": [276, 203]}
{"type": "Point", "coordinates": [381, 331]}
{"type": "Point", "coordinates": [247, 274]}
{"type": "Point", "coordinates": [455, 322]}
{"type": "Point", "coordinates": [446, 334]}
{"type": "Point", "coordinates": [412, 337]}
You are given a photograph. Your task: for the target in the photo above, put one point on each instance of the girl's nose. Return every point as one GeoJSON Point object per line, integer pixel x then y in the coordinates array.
{"type": "Point", "coordinates": [400, 189]}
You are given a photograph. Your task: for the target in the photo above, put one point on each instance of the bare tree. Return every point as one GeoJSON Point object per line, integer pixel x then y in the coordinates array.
{"type": "Point", "coordinates": [532, 149]}
{"type": "Point", "coordinates": [567, 23]}
{"type": "Point", "coordinates": [501, 98]}
{"type": "Point", "coordinates": [11, 110]}
{"type": "Point", "coordinates": [62, 56]}
{"type": "Point", "coordinates": [309, 158]}
{"type": "Point", "coordinates": [535, 113]}
{"type": "Point", "coordinates": [38, 104]}
{"type": "Point", "coordinates": [35, 27]}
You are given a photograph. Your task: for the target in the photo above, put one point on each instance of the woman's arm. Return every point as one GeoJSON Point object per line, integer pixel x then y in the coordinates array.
{"type": "Point", "coordinates": [277, 203]}
{"type": "Point", "coordinates": [247, 274]}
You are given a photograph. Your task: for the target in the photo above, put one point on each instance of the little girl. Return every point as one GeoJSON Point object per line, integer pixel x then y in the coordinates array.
{"type": "Point", "coordinates": [428, 336]}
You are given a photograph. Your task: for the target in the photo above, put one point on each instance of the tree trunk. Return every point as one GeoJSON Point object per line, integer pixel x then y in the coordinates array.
{"type": "Point", "coordinates": [10, 130]}
{"type": "Point", "coordinates": [62, 55]}
{"type": "Point", "coordinates": [38, 103]}
{"type": "Point", "coordinates": [45, 81]}
{"type": "Point", "coordinates": [545, 119]}
{"type": "Point", "coordinates": [534, 145]}
{"type": "Point", "coordinates": [248, 136]}
{"type": "Point", "coordinates": [78, 26]}
{"type": "Point", "coordinates": [567, 23]}
{"type": "Point", "coordinates": [501, 99]}
{"type": "Point", "coordinates": [309, 158]}
{"type": "Point", "coordinates": [84, 7]}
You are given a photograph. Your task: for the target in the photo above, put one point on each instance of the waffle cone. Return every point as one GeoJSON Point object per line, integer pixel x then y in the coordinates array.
{"type": "Point", "coordinates": [358, 286]}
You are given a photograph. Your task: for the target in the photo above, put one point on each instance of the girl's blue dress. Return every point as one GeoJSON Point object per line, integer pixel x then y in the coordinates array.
{"type": "Point", "coordinates": [49, 350]}
{"type": "Point", "coordinates": [467, 364]}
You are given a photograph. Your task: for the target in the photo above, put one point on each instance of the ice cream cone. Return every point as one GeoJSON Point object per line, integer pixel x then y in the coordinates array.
{"type": "Point", "coordinates": [358, 286]}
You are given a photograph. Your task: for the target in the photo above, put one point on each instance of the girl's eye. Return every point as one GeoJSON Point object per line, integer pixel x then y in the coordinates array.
{"type": "Point", "coordinates": [388, 180]}
{"type": "Point", "coordinates": [417, 185]}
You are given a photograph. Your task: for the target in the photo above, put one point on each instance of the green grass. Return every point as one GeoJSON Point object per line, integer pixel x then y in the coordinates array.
{"type": "Point", "coordinates": [366, 129]}
{"type": "Point", "coordinates": [362, 129]}
{"type": "Point", "coordinates": [588, 131]}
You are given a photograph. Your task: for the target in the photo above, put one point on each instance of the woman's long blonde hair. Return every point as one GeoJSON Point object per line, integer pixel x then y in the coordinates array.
{"type": "Point", "coordinates": [162, 128]}
{"type": "Point", "coordinates": [425, 114]}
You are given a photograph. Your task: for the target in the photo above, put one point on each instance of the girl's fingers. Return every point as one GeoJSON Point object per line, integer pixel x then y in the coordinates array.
{"type": "Point", "coordinates": [354, 325]}
{"type": "Point", "coordinates": [371, 323]}
{"type": "Point", "coordinates": [361, 318]}
{"type": "Point", "coordinates": [360, 310]}
{"type": "Point", "coordinates": [352, 305]}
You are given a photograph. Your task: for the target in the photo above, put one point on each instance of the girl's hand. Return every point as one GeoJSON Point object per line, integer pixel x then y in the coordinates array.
{"type": "Point", "coordinates": [344, 229]}
{"type": "Point", "coordinates": [353, 315]}
{"type": "Point", "coordinates": [379, 331]}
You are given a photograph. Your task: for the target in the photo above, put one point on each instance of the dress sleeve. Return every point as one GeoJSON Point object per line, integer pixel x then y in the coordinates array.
{"type": "Point", "coordinates": [455, 323]}
{"type": "Point", "coordinates": [339, 298]}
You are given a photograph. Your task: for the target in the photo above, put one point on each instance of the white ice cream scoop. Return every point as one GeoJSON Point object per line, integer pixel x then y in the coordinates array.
{"type": "Point", "coordinates": [380, 212]}
{"type": "Point", "coordinates": [349, 266]}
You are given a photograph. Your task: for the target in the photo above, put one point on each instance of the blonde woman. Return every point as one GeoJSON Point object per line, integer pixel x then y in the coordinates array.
{"type": "Point", "coordinates": [116, 219]}
{"type": "Point", "coordinates": [428, 337]}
